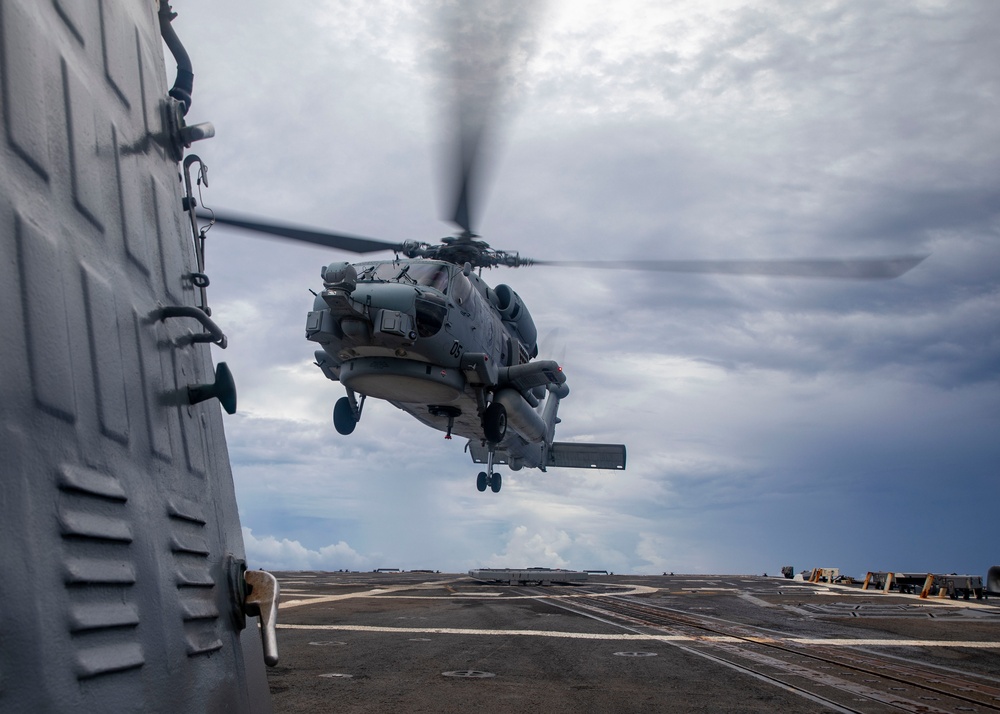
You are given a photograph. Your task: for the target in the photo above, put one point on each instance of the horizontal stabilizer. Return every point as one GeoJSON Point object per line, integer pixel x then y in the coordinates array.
{"type": "Point", "coordinates": [586, 456]}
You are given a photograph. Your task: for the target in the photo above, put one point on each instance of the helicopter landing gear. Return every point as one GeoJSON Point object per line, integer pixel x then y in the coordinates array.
{"type": "Point", "coordinates": [495, 423]}
{"type": "Point", "coordinates": [343, 417]}
{"type": "Point", "coordinates": [488, 479]}
{"type": "Point", "coordinates": [347, 413]}
{"type": "Point", "coordinates": [493, 482]}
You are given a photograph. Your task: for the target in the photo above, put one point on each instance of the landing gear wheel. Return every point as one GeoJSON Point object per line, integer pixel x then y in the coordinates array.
{"type": "Point", "coordinates": [482, 481]}
{"type": "Point", "coordinates": [495, 483]}
{"type": "Point", "coordinates": [495, 423]}
{"type": "Point", "coordinates": [343, 416]}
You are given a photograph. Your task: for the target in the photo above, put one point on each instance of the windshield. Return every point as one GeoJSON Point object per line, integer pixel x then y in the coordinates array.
{"type": "Point", "coordinates": [432, 275]}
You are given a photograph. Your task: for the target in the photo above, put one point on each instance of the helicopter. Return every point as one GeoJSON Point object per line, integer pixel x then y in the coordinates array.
{"type": "Point", "coordinates": [423, 330]}
{"type": "Point", "coordinates": [426, 333]}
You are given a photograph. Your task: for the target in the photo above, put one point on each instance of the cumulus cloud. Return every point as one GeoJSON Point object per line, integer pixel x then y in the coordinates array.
{"type": "Point", "coordinates": [268, 552]}
{"type": "Point", "coordinates": [526, 549]}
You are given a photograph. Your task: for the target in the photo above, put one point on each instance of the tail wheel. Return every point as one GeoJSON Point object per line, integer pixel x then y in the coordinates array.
{"type": "Point", "coordinates": [343, 416]}
{"type": "Point", "coordinates": [482, 480]}
{"type": "Point", "coordinates": [495, 423]}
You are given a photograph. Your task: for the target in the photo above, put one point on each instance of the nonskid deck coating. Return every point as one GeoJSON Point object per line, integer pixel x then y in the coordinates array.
{"type": "Point", "coordinates": [395, 641]}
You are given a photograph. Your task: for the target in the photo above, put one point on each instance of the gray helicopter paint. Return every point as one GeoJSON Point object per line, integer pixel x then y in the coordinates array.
{"type": "Point", "coordinates": [118, 516]}
{"type": "Point", "coordinates": [442, 371]}
{"type": "Point", "coordinates": [409, 371]}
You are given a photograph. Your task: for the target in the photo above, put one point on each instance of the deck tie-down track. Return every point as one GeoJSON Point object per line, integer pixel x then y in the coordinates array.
{"type": "Point", "coordinates": [849, 678]}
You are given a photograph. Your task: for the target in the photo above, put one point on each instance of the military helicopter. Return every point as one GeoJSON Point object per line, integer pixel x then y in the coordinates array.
{"type": "Point", "coordinates": [423, 331]}
{"type": "Point", "coordinates": [426, 333]}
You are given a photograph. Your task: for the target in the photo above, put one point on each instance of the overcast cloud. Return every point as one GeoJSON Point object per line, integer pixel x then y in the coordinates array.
{"type": "Point", "coordinates": [769, 421]}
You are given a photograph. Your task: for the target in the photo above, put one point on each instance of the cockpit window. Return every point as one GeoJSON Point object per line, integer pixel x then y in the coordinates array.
{"type": "Point", "coordinates": [431, 275]}
{"type": "Point", "coordinates": [431, 313]}
{"type": "Point", "coordinates": [461, 288]}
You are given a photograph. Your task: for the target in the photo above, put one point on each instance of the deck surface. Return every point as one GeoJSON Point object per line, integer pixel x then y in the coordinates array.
{"type": "Point", "coordinates": [423, 642]}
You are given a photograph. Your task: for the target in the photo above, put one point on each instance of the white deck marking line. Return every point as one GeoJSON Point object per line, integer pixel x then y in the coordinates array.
{"type": "Point", "coordinates": [387, 591]}
{"type": "Point", "coordinates": [465, 631]}
{"type": "Point", "coordinates": [360, 593]}
{"type": "Point", "coordinates": [505, 596]}
{"type": "Point", "coordinates": [838, 642]}
{"type": "Point", "coordinates": [330, 598]}
{"type": "Point", "coordinates": [837, 589]}
{"type": "Point", "coordinates": [466, 596]}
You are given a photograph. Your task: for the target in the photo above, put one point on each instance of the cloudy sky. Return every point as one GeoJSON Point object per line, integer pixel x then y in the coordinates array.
{"type": "Point", "coordinates": [768, 421]}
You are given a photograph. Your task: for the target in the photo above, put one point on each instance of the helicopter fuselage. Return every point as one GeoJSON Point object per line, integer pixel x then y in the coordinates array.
{"type": "Point", "coordinates": [435, 340]}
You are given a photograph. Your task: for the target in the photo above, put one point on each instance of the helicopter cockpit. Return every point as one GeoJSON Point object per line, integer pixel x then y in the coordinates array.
{"type": "Point", "coordinates": [432, 275]}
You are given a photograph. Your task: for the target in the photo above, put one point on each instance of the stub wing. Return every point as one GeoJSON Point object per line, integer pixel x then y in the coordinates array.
{"type": "Point", "coordinates": [586, 456]}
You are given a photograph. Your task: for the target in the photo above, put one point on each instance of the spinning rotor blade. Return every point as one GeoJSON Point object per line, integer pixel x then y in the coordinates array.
{"type": "Point", "coordinates": [484, 40]}
{"type": "Point", "coordinates": [849, 268]}
{"type": "Point", "coordinates": [340, 241]}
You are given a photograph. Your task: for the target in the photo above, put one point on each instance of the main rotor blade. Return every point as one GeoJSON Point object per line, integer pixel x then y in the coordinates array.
{"type": "Point", "coordinates": [847, 268]}
{"type": "Point", "coordinates": [340, 241]}
{"type": "Point", "coordinates": [484, 40]}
